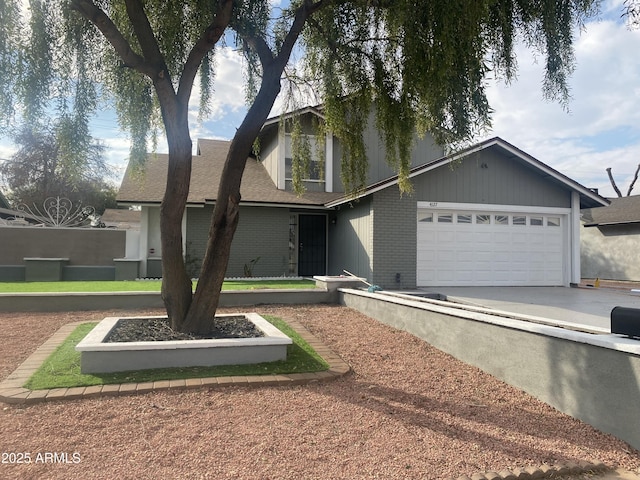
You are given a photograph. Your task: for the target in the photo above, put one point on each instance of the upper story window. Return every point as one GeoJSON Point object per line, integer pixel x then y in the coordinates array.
{"type": "Point", "coordinates": [315, 172]}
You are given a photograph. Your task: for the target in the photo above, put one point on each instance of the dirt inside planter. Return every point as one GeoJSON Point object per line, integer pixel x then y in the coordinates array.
{"type": "Point", "coordinates": [158, 330]}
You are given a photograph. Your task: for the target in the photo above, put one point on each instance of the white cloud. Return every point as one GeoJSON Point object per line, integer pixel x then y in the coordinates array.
{"type": "Point", "coordinates": [602, 127]}
{"type": "Point", "coordinates": [228, 85]}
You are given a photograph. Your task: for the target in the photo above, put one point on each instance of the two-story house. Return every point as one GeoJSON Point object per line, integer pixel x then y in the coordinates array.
{"type": "Point", "coordinates": [488, 215]}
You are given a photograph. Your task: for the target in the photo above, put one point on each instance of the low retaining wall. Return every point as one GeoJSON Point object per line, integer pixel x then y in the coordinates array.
{"type": "Point", "coordinates": [59, 302]}
{"type": "Point", "coordinates": [595, 378]}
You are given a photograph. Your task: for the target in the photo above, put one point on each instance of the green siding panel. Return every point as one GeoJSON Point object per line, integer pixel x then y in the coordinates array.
{"type": "Point", "coordinates": [350, 239]}
{"type": "Point", "coordinates": [262, 232]}
{"type": "Point", "coordinates": [491, 177]}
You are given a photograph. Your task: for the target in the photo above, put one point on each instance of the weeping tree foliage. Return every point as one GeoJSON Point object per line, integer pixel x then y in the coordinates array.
{"type": "Point", "coordinates": [416, 66]}
{"type": "Point", "coordinates": [632, 13]}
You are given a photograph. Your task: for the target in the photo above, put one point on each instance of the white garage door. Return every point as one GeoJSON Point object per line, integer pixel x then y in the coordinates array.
{"type": "Point", "coordinates": [491, 248]}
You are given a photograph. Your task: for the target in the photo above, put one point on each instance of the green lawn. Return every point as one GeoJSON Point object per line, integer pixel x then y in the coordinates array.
{"type": "Point", "coordinates": [141, 286]}
{"type": "Point", "coordinates": [62, 368]}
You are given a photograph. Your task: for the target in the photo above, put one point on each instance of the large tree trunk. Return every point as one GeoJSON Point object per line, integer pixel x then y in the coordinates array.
{"type": "Point", "coordinates": [226, 212]}
{"type": "Point", "coordinates": [176, 284]}
{"type": "Point", "coordinates": [201, 308]}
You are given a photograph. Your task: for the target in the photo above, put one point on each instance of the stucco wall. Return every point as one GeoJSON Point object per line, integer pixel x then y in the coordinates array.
{"type": "Point", "coordinates": [610, 252]}
{"type": "Point", "coordinates": [597, 385]}
{"type": "Point", "coordinates": [82, 246]}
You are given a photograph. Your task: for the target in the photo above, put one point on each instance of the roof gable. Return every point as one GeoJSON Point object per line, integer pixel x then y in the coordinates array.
{"type": "Point", "coordinates": [588, 198]}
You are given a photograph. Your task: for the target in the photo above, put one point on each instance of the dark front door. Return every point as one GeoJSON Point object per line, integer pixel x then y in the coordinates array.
{"type": "Point", "coordinates": [312, 245]}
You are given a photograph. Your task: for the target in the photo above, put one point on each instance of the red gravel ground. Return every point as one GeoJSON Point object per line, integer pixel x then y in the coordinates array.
{"type": "Point", "coordinates": [406, 411]}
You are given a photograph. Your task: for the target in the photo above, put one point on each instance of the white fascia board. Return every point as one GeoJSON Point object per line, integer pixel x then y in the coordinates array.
{"type": "Point", "coordinates": [312, 110]}
{"type": "Point", "coordinates": [140, 204]}
{"type": "Point", "coordinates": [490, 207]}
{"type": "Point", "coordinates": [551, 172]}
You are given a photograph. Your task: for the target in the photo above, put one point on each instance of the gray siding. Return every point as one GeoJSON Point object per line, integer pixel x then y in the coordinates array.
{"type": "Point", "coordinates": [269, 154]}
{"type": "Point", "coordinates": [350, 240]}
{"type": "Point", "coordinates": [424, 151]}
{"type": "Point", "coordinates": [394, 239]}
{"type": "Point", "coordinates": [490, 177]}
{"type": "Point", "coordinates": [262, 232]}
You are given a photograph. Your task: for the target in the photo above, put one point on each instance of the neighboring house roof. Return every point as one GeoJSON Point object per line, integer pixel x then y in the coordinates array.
{"type": "Point", "coordinates": [121, 218]}
{"type": "Point", "coordinates": [623, 210]}
{"type": "Point", "coordinates": [588, 198]}
{"type": "Point", "coordinates": [19, 217]}
{"type": "Point", "coordinates": [148, 186]}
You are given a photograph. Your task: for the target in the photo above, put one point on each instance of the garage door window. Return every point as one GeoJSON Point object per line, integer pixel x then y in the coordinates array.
{"type": "Point", "coordinates": [425, 217]}
{"type": "Point", "coordinates": [502, 219]}
{"type": "Point", "coordinates": [464, 218]}
{"type": "Point", "coordinates": [553, 221]}
{"type": "Point", "coordinates": [519, 220]}
{"type": "Point", "coordinates": [445, 218]}
{"type": "Point", "coordinates": [483, 219]}
{"type": "Point", "coordinates": [536, 221]}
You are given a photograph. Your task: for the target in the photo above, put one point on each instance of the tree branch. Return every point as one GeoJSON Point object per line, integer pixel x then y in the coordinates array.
{"type": "Point", "coordinates": [203, 46]}
{"type": "Point", "coordinates": [146, 38]}
{"type": "Point", "coordinates": [635, 178]}
{"type": "Point", "coordinates": [613, 183]}
{"type": "Point", "coordinates": [303, 13]}
{"type": "Point", "coordinates": [101, 20]}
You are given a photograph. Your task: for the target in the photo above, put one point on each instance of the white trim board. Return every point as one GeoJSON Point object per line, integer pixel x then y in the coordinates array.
{"type": "Point", "coordinates": [476, 207]}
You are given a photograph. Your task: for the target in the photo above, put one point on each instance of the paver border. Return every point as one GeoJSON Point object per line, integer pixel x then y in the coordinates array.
{"type": "Point", "coordinates": [12, 390]}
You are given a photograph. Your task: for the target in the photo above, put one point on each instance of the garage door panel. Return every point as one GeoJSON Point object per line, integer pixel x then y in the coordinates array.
{"type": "Point", "coordinates": [445, 237]}
{"type": "Point", "coordinates": [492, 254]}
{"type": "Point", "coordinates": [482, 237]}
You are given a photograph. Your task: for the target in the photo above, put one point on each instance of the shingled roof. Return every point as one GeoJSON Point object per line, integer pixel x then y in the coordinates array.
{"type": "Point", "coordinates": [622, 210]}
{"type": "Point", "coordinates": [147, 187]}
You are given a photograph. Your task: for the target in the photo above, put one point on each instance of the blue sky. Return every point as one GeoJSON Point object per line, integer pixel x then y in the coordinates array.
{"type": "Point", "coordinates": [600, 130]}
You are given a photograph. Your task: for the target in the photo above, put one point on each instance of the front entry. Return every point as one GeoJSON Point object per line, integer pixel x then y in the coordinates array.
{"type": "Point", "coordinates": [312, 245]}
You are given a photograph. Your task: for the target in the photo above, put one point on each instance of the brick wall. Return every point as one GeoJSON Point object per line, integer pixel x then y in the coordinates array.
{"type": "Point", "coordinates": [394, 239]}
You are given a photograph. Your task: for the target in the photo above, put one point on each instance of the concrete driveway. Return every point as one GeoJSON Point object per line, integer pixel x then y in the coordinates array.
{"type": "Point", "coordinates": [583, 306]}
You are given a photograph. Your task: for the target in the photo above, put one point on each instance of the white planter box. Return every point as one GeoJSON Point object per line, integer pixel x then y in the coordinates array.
{"type": "Point", "coordinates": [99, 357]}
